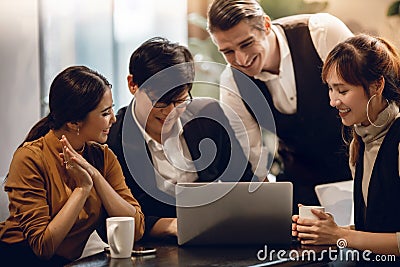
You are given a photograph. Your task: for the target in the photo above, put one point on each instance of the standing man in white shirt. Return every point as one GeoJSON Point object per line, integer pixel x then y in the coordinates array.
{"type": "Point", "coordinates": [284, 59]}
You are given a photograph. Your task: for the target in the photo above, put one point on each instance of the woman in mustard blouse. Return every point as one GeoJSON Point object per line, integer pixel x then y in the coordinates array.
{"type": "Point", "coordinates": [62, 184]}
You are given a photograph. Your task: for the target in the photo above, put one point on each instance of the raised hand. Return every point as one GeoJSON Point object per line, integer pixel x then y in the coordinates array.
{"type": "Point", "coordinates": [77, 167]}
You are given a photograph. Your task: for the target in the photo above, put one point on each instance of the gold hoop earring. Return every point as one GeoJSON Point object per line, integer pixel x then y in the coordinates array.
{"type": "Point", "coordinates": [377, 126]}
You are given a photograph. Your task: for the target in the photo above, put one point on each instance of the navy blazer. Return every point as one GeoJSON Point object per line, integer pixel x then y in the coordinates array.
{"type": "Point", "coordinates": [204, 121]}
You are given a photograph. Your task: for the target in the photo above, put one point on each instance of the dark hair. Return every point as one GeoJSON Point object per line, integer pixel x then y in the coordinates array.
{"type": "Point", "coordinates": [225, 14]}
{"type": "Point", "coordinates": [154, 59]}
{"type": "Point", "coordinates": [74, 93]}
{"type": "Point", "coordinates": [363, 60]}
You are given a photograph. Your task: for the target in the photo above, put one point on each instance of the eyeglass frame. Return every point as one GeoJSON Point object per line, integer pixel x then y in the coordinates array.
{"type": "Point", "coordinates": [161, 105]}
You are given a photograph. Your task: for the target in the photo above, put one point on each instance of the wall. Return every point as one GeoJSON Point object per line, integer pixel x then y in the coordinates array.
{"type": "Point", "coordinates": [367, 16]}
{"type": "Point", "coordinates": [101, 34]}
{"type": "Point", "coordinates": [19, 75]}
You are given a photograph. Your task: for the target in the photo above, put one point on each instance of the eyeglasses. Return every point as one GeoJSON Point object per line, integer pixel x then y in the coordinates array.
{"type": "Point", "coordinates": [183, 103]}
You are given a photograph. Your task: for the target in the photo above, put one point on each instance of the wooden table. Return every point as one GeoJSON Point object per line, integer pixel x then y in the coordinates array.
{"type": "Point", "coordinates": [170, 254]}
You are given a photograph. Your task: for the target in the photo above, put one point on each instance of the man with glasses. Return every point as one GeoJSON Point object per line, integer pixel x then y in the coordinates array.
{"type": "Point", "coordinates": [165, 136]}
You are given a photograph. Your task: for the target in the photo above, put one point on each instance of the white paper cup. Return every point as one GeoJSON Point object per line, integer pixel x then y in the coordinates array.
{"type": "Point", "coordinates": [120, 235]}
{"type": "Point", "coordinates": [305, 212]}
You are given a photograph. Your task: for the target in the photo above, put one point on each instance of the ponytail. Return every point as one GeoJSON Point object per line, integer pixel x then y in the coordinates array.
{"type": "Point", "coordinates": [41, 128]}
{"type": "Point", "coordinates": [352, 141]}
{"type": "Point", "coordinates": [355, 150]}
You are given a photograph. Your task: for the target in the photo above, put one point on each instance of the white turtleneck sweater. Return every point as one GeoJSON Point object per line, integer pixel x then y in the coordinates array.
{"type": "Point", "coordinates": [373, 137]}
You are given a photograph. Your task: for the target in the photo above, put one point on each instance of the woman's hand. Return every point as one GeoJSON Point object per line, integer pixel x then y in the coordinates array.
{"type": "Point", "coordinates": [294, 223]}
{"type": "Point", "coordinates": [294, 226]}
{"type": "Point", "coordinates": [77, 167]}
{"type": "Point", "coordinates": [323, 231]}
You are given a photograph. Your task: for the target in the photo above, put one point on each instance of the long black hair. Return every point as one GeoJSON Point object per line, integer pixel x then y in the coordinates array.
{"type": "Point", "coordinates": [74, 93]}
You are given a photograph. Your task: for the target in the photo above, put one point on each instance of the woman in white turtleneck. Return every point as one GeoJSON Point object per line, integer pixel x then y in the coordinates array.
{"type": "Point", "coordinates": [363, 75]}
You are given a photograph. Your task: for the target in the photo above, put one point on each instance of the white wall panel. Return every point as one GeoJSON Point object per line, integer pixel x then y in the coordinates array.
{"type": "Point", "coordinates": [19, 75]}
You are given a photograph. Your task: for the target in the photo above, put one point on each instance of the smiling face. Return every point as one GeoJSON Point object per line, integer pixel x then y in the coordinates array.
{"type": "Point", "coordinates": [245, 47]}
{"type": "Point", "coordinates": [157, 121]}
{"type": "Point", "coordinates": [96, 125]}
{"type": "Point", "coordinates": [350, 100]}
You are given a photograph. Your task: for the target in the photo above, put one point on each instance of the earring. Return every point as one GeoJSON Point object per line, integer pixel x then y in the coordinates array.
{"type": "Point", "coordinates": [377, 126]}
{"type": "Point", "coordinates": [77, 133]}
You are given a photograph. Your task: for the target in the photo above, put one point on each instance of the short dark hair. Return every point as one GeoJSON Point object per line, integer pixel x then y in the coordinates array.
{"type": "Point", "coordinates": [154, 59]}
{"type": "Point", "coordinates": [225, 14]}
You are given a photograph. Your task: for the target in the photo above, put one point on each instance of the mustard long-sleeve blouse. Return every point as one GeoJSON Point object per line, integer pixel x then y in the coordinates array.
{"type": "Point", "coordinates": [38, 187]}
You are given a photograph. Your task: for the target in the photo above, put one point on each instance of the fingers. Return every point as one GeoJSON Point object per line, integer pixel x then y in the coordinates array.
{"type": "Point", "coordinates": [306, 222]}
{"type": "Point", "coordinates": [297, 229]}
{"type": "Point", "coordinates": [65, 142]}
{"type": "Point", "coordinates": [77, 167]}
{"type": "Point", "coordinates": [308, 242]}
{"type": "Point", "coordinates": [66, 145]}
{"type": "Point", "coordinates": [79, 161]}
{"type": "Point", "coordinates": [61, 155]}
{"type": "Point", "coordinates": [71, 160]}
{"type": "Point", "coordinates": [70, 155]}
{"type": "Point", "coordinates": [294, 229]}
{"type": "Point", "coordinates": [307, 236]}
{"type": "Point", "coordinates": [66, 156]}
{"type": "Point", "coordinates": [321, 215]}
{"type": "Point", "coordinates": [306, 229]}
{"type": "Point", "coordinates": [68, 165]}
{"type": "Point", "coordinates": [330, 215]}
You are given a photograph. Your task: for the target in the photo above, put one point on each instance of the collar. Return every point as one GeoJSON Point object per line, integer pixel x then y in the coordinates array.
{"type": "Point", "coordinates": [53, 143]}
{"type": "Point", "coordinates": [284, 52]}
{"type": "Point", "coordinates": [371, 133]}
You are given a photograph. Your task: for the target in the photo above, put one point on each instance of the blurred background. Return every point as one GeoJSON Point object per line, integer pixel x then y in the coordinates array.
{"type": "Point", "coordinates": [39, 38]}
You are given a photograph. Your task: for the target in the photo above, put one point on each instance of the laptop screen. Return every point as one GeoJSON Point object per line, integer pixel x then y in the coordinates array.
{"type": "Point", "coordinates": [234, 213]}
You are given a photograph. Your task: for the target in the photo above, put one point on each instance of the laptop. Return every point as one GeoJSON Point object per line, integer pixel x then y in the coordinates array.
{"type": "Point", "coordinates": [229, 213]}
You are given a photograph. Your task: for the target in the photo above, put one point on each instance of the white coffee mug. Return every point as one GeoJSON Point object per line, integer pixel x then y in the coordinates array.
{"type": "Point", "coordinates": [120, 235]}
{"type": "Point", "coordinates": [305, 212]}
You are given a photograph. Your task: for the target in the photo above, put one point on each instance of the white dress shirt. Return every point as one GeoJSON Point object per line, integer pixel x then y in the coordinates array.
{"type": "Point", "coordinates": [172, 161]}
{"type": "Point", "coordinates": [326, 31]}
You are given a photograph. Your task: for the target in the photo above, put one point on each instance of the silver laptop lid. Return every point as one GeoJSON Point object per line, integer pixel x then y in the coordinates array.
{"type": "Point", "coordinates": [234, 213]}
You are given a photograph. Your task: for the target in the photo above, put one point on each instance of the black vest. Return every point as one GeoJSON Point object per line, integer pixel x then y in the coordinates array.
{"type": "Point", "coordinates": [382, 213]}
{"type": "Point", "coordinates": [311, 144]}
